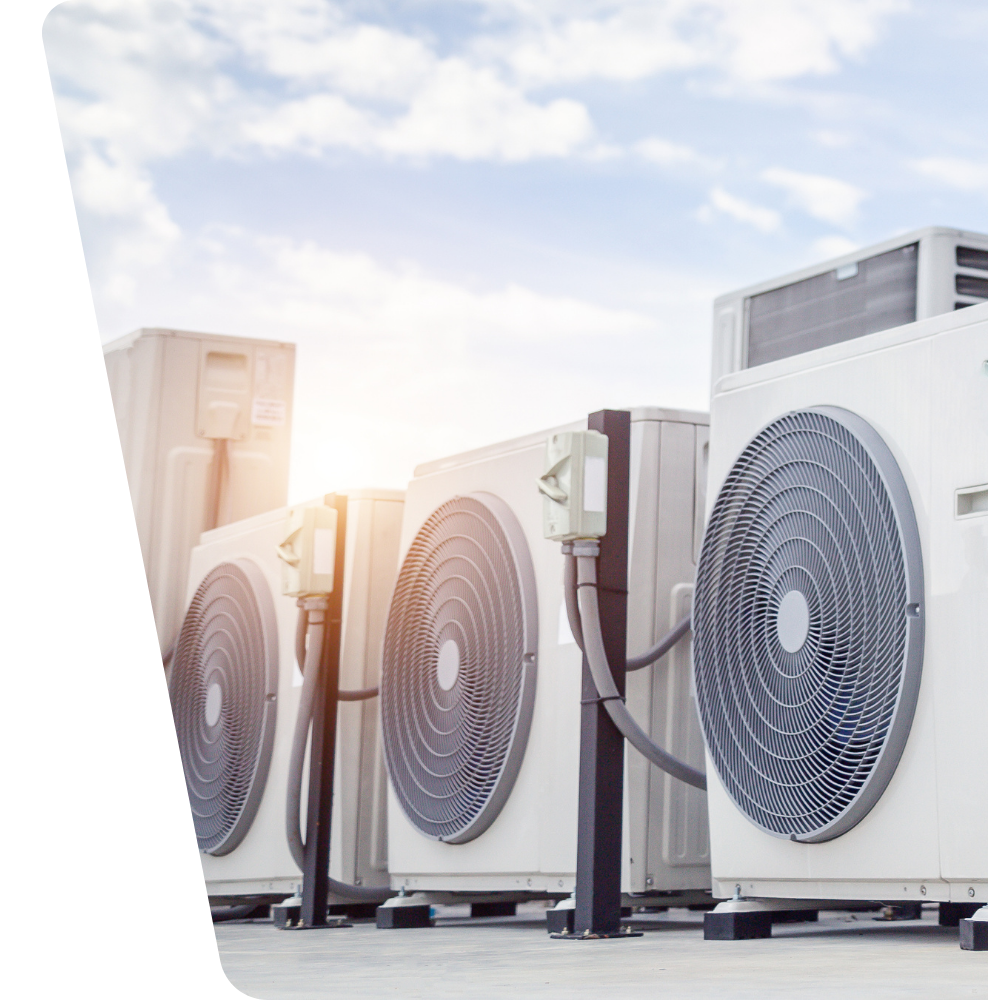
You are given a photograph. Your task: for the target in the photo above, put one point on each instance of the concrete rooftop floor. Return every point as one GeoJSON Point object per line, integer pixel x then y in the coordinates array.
{"type": "Point", "coordinates": [841, 956]}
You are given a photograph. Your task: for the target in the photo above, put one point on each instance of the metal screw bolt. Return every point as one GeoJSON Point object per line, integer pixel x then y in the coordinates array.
{"type": "Point", "coordinates": [650, 881]}
{"type": "Point", "coordinates": [970, 891]}
{"type": "Point", "coordinates": [922, 889]}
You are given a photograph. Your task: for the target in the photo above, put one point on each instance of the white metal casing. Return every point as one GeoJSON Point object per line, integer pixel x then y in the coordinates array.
{"type": "Point", "coordinates": [531, 845]}
{"type": "Point", "coordinates": [171, 391]}
{"type": "Point", "coordinates": [936, 289]}
{"type": "Point", "coordinates": [924, 388]}
{"type": "Point", "coordinates": [261, 863]}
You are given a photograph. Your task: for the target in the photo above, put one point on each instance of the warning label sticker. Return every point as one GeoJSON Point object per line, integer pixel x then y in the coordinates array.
{"type": "Point", "coordinates": [268, 412]}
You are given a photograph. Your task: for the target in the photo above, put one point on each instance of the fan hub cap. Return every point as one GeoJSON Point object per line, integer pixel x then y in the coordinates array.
{"type": "Point", "coordinates": [792, 623]}
{"type": "Point", "coordinates": [448, 665]}
{"type": "Point", "coordinates": [214, 704]}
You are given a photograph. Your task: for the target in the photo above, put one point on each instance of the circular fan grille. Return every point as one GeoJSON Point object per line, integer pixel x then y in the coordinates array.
{"type": "Point", "coordinates": [223, 686]}
{"type": "Point", "coordinates": [808, 632]}
{"type": "Point", "coordinates": [458, 679]}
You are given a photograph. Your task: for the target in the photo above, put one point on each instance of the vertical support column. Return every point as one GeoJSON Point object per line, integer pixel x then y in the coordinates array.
{"type": "Point", "coordinates": [598, 850]}
{"type": "Point", "coordinates": [322, 751]}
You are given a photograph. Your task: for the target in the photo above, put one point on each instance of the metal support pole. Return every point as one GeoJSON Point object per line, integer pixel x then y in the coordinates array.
{"type": "Point", "coordinates": [322, 749]}
{"type": "Point", "coordinates": [598, 850]}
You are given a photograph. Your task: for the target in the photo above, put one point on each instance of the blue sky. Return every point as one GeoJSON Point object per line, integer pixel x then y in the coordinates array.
{"type": "Point", "coordinates": [481, 217]}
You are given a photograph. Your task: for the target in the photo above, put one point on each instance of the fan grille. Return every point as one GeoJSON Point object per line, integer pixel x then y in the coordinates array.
{"type": "Point", "coordinates": [458, 679]}
{"type": "Point", "coordinates": [223, 687]}
{"type": "Point", "coordinates": [808, 634]}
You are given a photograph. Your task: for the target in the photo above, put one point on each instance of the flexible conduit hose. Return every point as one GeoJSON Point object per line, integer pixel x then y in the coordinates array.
{"type": "Point", "coordinates": [360, 694]}
{"type": "Point", "coordinates": [661, 647]}
{"type": "Point", "coordinates": [633, 662]}
{"type": "Point", "coordinates": [316, 628]}
{"type": "Point", "coordinates": [604, 681]}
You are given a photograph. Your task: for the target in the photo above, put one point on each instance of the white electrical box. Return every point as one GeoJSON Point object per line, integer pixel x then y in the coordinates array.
{"type": "Point", "coordinates": [308, 553]}
{"type": "Point", "coordinates": [205, 428]}
{"type": "Point", "coordinates": [574, 486]}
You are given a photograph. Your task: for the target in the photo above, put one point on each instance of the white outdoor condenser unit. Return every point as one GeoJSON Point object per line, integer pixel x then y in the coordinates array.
{"type": "Point", "coordinates": [841, 619]}
{"type": "Point", "coordinates": [235, 685]}
{"type": "Point", "coordinates": [911, 277]}
{"type": "Point", "coordinates": [481, 678]}
{"type": "Point", "coordinates": [205, 427]}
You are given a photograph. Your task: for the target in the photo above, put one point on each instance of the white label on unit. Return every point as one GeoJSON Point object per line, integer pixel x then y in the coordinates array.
{"type": "Point", "coordinates": [594, 484]}
{"type": "Point", "coordinates": [268, 412]}
{"type": "Point", "coordinates": [323, 550]}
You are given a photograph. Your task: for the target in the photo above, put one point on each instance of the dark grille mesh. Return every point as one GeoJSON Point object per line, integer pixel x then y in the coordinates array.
{"type": "Point", "coordinates": [453, 747]}
{"type": "Point", "coordinates": [806, 740]}
{"type": "Point", "coordinates": [880, 293]}
{"type": "Point", "coordinates": [223, 686]}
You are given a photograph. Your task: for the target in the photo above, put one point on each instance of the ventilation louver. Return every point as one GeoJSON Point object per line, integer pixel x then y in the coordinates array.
{"type": "Point", "coordinates": [808, 624]}
{"type": "Point", "coordinates": [458, 678]}
{"type": "Point", "coordinates": [223, 686]}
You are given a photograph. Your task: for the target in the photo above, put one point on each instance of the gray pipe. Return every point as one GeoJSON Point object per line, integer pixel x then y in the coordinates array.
{"type": "Point", "coordinates": [296, 763]}
{"type": "Point", "coordinates": [607, 689]}
{"type": "Point", "coordinates": [573, 617]}
{"type": "Point", "coordinates": [661, 647]}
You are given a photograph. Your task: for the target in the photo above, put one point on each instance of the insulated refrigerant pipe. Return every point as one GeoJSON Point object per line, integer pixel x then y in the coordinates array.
{"type": "Point", "coordinates": [573, 616]}
{"type": "Point", "coordinates": [301, 629]}
{"type": "Point", "coordinates": [316, 628]}
{"type": "Point", "coordinates": [589, 612]}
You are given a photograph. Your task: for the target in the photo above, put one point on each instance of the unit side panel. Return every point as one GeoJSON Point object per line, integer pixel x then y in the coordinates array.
{"type": "Point", "coordinates": [957, 599]}
{"type": "Point", "coordinates": [678, 851]}
{"type": "Point", "coordinates": [642, 553]}
{"type": "Point", "coordinates": [382, 566]}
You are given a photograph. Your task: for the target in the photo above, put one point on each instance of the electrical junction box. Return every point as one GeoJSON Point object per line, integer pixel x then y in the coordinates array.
{"type": "Point", "coordinates": [308, 553]}
{"type": "Point", "coordinates": [574, 486]}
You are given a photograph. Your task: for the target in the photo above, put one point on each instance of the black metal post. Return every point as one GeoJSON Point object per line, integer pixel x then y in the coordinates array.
{"type": "Point", "coordinates": [598, 849]}
{"type": "Point", "coordinates": [322, 750]}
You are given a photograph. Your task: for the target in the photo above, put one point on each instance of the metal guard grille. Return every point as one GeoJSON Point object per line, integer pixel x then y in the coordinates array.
{"type": "Point", "coordinates": [453, 751]}
{"type": "Point", "coordinates": [805, 740]}
{"type": "Point", "coordinates": [223, 686]}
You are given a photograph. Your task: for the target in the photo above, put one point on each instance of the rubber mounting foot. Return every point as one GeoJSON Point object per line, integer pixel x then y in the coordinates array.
{"type": "Point", "coordinates": [743, 925]}
{"type": "Point", "coordinates": [974, 935]}
{"type": "Point", "coordinates": [401, 917]}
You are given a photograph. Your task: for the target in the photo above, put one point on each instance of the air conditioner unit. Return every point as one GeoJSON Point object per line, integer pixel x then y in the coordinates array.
{"type": "Point", "coordinates": [841, 619]}
{"type": "Point", "coordinates": [235, 686]}
{"type": "Point", "coordinates": [907, 278]}
{"type": "Point", "coordinates": [205, 426]}
{"type": "Point", "coordinates": [481, 678]}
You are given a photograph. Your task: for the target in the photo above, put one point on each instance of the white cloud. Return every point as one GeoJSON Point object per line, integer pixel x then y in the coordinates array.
{"type": "Point", "coordinates": [832, 246]}
{"type": "Point", "coordinates": [746, 40]}
{"type": "Point", "coordinates": [827, 198]}
{"type": "Point", "coordinates": [965, 175]}
{"type": "Point", "coordinates": [471, 114]}
{"type": "Point", "coordinates": [672, 154]}
{"type": "Point", "coordinates": [765, 40]}
{"type": "Point", "coordinates": [763, 219]}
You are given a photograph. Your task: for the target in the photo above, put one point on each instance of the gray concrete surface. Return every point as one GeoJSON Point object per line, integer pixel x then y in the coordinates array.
{"type": "Point", "coordinates": [842, 956]}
